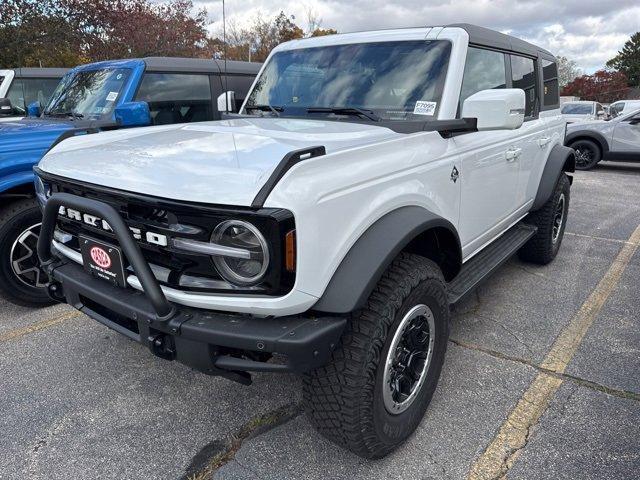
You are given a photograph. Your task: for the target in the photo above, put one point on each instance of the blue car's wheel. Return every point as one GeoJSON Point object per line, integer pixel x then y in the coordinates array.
{"type": "Point", "coordinates": [21, 280]}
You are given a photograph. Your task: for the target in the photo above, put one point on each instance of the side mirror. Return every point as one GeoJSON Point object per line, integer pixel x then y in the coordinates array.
{"type": "Point", "coordinates": [33, 110]}
{"type": "Point", "coordinates": [227, 102]}
{"type": "Point", "coordinates": [5, 107]}
{"type": "Point", "coordinates": [500, 109]}
{"type": "Point", "coordinates": [133, 114]}
{"type": "Point", "coordinates": [601, 113]}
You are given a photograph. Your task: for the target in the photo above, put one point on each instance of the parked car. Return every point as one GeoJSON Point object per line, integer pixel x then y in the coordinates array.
{"type": "Point", "coordinates": [370, 181]}
{"type": "Point", "coordinates": [92, 98]}
{"type": "Point", "coordinates": [582, 111]}
{"type": "Point", "coordinates": [622, 107]}
{"type": "Point", "coordinates": [22, 86]}
{"type": "Point", "coordinates": [618, 139]}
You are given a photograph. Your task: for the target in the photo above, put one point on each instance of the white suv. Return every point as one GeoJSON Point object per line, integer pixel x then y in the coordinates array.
{"type": "Point", "coordinates": [623, 107]}
{"type": "Point", "coordinates": [370, 181]}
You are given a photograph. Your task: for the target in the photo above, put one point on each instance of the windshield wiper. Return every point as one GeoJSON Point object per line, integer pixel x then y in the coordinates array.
{"type": "Point", "coordinates": [346, 111]}
{"type": "Point", "coordinates": [64, 114]}
{"type": "Point", "coordinates": [265, 108]}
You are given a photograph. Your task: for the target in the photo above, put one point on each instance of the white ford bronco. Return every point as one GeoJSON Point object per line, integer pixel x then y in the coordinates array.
{"type": "Point", "coordinates": [369, 182]}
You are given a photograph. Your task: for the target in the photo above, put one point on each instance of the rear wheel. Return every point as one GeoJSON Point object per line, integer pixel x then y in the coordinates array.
{"type": "Point", "coordinates": [588, 154]}
{"type": "Point", "coordinates": [380, 380]}
{"type": "Point", "coordinates": [551, 220]}
{"type": "Point", "coordinates": [21, 280]}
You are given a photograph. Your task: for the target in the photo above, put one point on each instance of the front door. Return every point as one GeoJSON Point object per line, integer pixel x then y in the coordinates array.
{"type": "Point", "coordinates": [626, 135]}
{"type": "Point", "coordinates": [490, 163]}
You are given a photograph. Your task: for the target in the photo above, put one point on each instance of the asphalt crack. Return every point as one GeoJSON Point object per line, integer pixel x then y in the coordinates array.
{"type": "Point", "coordinates": [630, 395]}
{"type": "Point", "coordinates": [218, 453]}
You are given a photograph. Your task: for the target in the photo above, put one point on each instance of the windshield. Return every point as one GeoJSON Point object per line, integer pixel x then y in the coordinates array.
{"type": "Point", "coordinates": [394, 80]}
{"type": "Point", "coordinates": [89, 94]}
{"type": "Point", "coordinates": [577, 109]}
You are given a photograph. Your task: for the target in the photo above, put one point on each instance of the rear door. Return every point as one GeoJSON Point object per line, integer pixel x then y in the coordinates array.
{"type": "Point", "coordinates": [534, 140]}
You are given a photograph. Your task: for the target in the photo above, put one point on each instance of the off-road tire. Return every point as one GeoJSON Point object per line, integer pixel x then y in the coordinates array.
{"type": "Point", "coordinates": [14, 219]}
{"type": "Point", "coordinates": [591, 149]}
{"type": "Point", "coordinates": [344, 399]}
{"type": "Point", "coordinates": [542, 248]}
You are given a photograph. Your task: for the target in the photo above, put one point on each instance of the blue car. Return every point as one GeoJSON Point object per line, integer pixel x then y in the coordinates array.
{"type": "Point", "coordinates": [89, 99]}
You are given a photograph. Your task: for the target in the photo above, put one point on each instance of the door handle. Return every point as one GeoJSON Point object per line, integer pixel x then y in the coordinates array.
{"type": "Point", "coordinates": [512, 154]}
{"type": "Point", "coordinates": [543, 141]}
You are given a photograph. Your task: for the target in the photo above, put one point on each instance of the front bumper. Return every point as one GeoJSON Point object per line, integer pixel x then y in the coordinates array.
{"type": "Point", "coordinates": [215, 343]}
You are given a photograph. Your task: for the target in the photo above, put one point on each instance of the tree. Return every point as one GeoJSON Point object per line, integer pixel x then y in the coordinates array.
{"type": "Point", "coordinates": [257, 40]}
{"type": "Point", "coordinates": [603, 86]}
{"type": "Point", "coordinates": [139, 28]}
{"type": "Point", "coordinates": [628, 60]}
{"type": "Point", "coordinates": [567, 71]}
{"type": "Point", "coordinates": [69, 32]}
{"type": "Point", "coordinates": [37, 33]}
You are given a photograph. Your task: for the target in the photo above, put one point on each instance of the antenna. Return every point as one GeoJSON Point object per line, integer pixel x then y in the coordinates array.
{"type": "Point", "coordinates": [224, 41]}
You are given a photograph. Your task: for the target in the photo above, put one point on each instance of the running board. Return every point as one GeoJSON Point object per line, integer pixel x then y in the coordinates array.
{"type": "Point", "coordinates": [488, 261]}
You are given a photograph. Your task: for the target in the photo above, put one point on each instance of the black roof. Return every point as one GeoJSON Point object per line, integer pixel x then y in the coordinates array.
{"type": "Point", "coordinates": [200, 65]}
{"type": "Point", "coordinates": [40, 72]}
{"type": "Point", "coordinates": [491, 38]}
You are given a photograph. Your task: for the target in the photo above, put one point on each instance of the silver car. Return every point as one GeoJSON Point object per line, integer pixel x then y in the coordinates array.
{"type": "Point", "coordinates": [617, 139]}
{"type": "Point", "coordinates": [582, 111]}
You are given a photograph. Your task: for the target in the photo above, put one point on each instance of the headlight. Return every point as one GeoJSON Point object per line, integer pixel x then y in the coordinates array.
{"type": "Point", "coordinates": [42, 191]}
{"type": "Point", "coordinates": [242, 235]}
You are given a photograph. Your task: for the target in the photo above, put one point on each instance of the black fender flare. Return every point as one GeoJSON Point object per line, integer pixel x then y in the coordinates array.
{"type": "Point", "coordinates": [590, 135]}
{"type": "Point", "coordinates": [561, 159]}
{"type": "Point", "coordinates": [364, 264]}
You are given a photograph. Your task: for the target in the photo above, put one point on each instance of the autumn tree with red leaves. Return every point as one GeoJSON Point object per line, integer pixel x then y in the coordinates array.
{"type": "Point", "coordinates": [69, 32]}
{"type": "Point", "coordinates": [603, 86]}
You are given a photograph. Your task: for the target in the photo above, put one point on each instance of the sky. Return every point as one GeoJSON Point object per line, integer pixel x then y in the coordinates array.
{"type": "Point", "coordinates": [586, 31]}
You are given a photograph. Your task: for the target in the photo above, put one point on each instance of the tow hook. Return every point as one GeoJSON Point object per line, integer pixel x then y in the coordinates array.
{"type": "Point", "coordinates": [162, 346]}
{"type": "Point", "coordinates": [54, 289]}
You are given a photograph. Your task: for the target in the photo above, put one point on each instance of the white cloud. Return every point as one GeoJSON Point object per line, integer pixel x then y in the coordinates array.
{"type": "Point", "coordinates": [587, 31]}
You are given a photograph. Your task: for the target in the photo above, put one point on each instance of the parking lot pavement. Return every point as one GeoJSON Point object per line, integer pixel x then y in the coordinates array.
{"type": "Point", "coordinates": [80, 401]}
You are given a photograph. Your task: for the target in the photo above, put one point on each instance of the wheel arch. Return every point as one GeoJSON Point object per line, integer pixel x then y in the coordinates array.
{"type": "Point", "coordinates": [561, 159]}
{"type": "Point", "coordinates": [596, 137]}
{"type": "Point", "coordinates": [409, 229]}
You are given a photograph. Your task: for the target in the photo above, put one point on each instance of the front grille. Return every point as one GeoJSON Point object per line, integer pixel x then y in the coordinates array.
{"type": "Point", "coordinates": [184, 271]}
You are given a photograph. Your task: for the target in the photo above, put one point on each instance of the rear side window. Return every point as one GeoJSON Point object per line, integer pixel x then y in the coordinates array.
{"type": "Point", "coordinates": [551, 87]}
{"type": "Point", "coordinates": [24, 91]}
{"type": "Point", "coordinates": [523, 75]}
{"type": "Point", "coordinates": [483, 70]}
{"type": "Point", "coordinates": [176, 97]}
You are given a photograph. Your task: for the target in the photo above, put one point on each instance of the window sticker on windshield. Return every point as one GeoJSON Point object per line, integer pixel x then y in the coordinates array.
{"type": "Point", "coordinates": [425, 108]}
{"type": "Point", "coordinates": [112, 96]}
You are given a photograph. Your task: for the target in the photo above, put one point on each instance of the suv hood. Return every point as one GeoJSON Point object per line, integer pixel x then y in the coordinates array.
{"type": "Point", "coordinates": [32, 135]}
{"type": "Point", "coordinates": [224, 162]}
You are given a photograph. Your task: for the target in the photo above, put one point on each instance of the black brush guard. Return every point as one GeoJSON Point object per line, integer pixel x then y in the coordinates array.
{"type": "Point", "coordinates": [229, 345]}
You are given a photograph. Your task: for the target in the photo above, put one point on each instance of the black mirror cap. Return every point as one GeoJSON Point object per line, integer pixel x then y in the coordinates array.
{"type": "Point", "coordinates": [5, 107]}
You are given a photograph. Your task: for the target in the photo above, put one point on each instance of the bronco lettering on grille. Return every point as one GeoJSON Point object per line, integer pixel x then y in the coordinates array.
{"type": "Point", "coordinates": [96, 222]}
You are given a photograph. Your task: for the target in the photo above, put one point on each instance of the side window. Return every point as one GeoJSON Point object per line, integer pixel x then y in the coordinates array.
{"type": "Point", "coordinates": [551, 87]}
{"type": "Point", "coordinates": [24, 91]}
{"type": "Point", "coordinates": [616, 109]}
{"type": "Point", "coordinates": [483, 70]}
{"type": "Point", "coordinates": [176, 97]}
{"type": "Point", "coordinates": [523, 75]}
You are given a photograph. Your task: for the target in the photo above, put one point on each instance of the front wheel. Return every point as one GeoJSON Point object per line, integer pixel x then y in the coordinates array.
{"type": "Point", "coordinates": [21, 280]}
{"type": "Point", "coordinates": [380, 380]}
{"type": "Point", "coordinates": [588, 154]}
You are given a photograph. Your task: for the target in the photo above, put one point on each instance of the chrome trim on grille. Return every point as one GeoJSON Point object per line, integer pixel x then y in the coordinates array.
{"type": "Point", "coordinates": [206, 248]}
